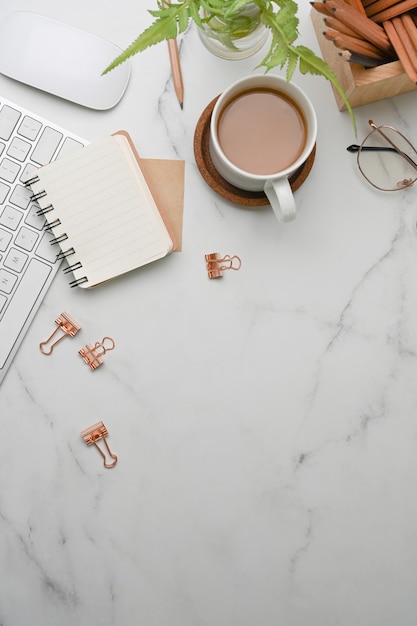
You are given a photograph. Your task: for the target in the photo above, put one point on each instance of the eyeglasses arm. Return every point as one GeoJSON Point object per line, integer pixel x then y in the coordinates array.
{"type": "Point", "coordinates": [356, 148]}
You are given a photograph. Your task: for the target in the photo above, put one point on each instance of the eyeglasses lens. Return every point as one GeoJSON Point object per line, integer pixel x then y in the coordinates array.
{"type": "Point", "coordinates": [382, 165]}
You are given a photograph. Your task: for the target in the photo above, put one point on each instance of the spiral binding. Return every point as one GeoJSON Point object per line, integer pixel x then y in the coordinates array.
{"type": "Point", "coordinates": [31, 181]}
{"type": "Point", "coordinates": [49, 227]}
{"type": "Point", "coordinates": [63, 254]}
{"type": "Point", "coordinates": [78, 281]}
{"type": "Point", "coordinates": [59, 239]}
{"type": "Point", "coordinates": [42, 212]}
{"type": "Point", "coordinates": [37, 196]}
{"type": "Point", "coordinates": [71, 268]}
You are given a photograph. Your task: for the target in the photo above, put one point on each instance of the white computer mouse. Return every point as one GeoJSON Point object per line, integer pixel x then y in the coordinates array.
{"type": "Point", "coordinates": [61, 59]}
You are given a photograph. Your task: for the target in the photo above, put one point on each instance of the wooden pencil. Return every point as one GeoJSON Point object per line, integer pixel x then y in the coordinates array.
{"type": "Point", "coordinates": [406, 40]}
{"type": "Point", "coordinates": [176, 70]}
{"type": "Point", "coordinates": [398, 9]}
{"type": "Point", "coordinates": [335, 24]}
{"type": "Point", "coordinates": [363, 25]}
{"type": "Point", "coordinates": [380, 5]}
{"type": "Point", "coordinates": [361, 59]}
{"type": "Point", "coordinates": [353, 44]}
{"type": "Point", "coordinates": [399, 48]}
{"type": "Point", "coordinates": [175, 67]}
{"type": "Point", "coordinates": [321, 8]}
{"type": "Point", "coordinates": [410, 27]}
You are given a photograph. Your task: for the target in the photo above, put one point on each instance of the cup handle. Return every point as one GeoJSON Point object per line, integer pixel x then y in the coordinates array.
{"type": "Point", "coordinates": [281, 198]}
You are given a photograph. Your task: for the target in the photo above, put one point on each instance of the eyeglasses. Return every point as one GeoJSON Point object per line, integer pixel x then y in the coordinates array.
{"type": "Point", "coordinates": [386, 158]}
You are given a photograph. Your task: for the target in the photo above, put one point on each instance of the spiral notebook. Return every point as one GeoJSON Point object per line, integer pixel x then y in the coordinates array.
{"type": "Point", "coordinates": [101, 211]}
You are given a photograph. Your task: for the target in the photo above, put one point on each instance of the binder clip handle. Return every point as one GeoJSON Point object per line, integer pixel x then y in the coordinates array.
{"type": "Point", "coordinates": [104, 348]}
{"type": "Point", "coordinates": [216, 264]}
{"type": "Point", "coordinates": [95, 433]}
{"type": "Point", "coordinates": [65, 325]}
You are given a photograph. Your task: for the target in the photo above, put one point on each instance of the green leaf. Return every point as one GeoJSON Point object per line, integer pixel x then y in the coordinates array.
{"type": "Point", "coordinates": [161, 29]}
{"type": "Point", "coordinates": [312, 64]}
{"type": "Point", "coordinates": [183, 20]}
{"type": "Point", "coordinates": [291, 65]}
{"type": "Point", "coordinates": [194, 14]}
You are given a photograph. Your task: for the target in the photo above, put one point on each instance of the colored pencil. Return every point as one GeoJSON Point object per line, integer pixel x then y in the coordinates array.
{"type": "Point", "coordinates": [401, 51]}
{"type": "Point", "coordinates": [176, 70]}
{"type": "Point", "coordinates": [406, 41]}
{"type": "Point", "coordinates": [380, 5]}
{"type": "Point", "coordinates": [321, 8]}
{"type": "Point", "coordinates": [174, 59]}
{"type": "Point", "coordinates": [335, 24]}
{"type": "Point", "coordinates": [363, 25]}
{"type": "Point", "coordinates": [398, 9]}
{"type": "Point", "coordinates": [353, 44]}
{"type": "Point", "coordinates": [410, 27]}
{"type": "Point", "coordinates": [361, 59]}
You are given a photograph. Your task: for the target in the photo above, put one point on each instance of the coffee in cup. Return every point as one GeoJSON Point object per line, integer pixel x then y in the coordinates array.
{"type": "Point", "coordinates": [262, 130]}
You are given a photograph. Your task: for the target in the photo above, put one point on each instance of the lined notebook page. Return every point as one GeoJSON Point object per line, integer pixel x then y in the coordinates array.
{"type": "Point", "coordinates": [105, 208]}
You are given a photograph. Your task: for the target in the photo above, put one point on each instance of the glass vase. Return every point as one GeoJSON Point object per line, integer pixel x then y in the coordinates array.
{"type": "Point", "coordinates": [236, 36]}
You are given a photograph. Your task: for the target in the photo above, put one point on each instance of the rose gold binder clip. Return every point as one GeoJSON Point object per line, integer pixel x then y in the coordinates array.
{"type": "Point", "coordinates": [96, 433]}
{"type": "Point", "coordinates": [216, 264]}
{"type": "Point", "coordinates": [92, 355]}
{"type": "Point", "coordinates": [66, 326]}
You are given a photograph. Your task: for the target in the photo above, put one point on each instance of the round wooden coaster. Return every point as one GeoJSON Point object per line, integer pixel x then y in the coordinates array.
{"type": "Point", "coordinates": [217, 182]}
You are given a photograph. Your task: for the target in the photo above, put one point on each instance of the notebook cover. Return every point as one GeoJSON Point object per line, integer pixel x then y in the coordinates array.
{"type": "Point", "coordinates": [165, 178]}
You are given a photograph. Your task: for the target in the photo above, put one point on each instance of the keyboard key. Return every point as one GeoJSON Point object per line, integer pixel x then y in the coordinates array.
{"type": "Point", "coordinates": [11, 217]}
{"type": "Point", "coordinates": [68, 146]}
{"type": "Point", "coordinates": [9, 170]}
{"type": "Point", "coordinates": [15, 260]}
{"type": "Point", "coordinates": [7, 281]}
{"type": "Point", "coordinates": [4, 190]}
{"type": "Point", "coordinates": [8, 120]}
{"type": "Point", "coordinates": [29, 128]}
{"type": "Point", "coordinates": [28, 172]}
{"type": "Point", "coordinates": [21, 306]}
{"type": "Point", "coordinates": [46, 250]}
{"type": "Point", "coordinates": [33, 219]}
{"type": "Point", "coordinates": [26, 239]}
{"type": "Point", "coordinates": [19, 149]}
{"type": "Point", "coordinates": [5, 239]}
{"type": "Point", "coordinates": [47, 146]}
{"type": "Point", "coordinates": [21, 196]}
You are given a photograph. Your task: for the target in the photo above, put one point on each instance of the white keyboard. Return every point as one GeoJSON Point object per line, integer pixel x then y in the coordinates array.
{"type": "Point", "coordinates": [28, 261]}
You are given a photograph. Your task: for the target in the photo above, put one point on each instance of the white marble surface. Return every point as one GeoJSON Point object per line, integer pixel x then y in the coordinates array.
{"type": "Point", "coordinates": [266, 423]}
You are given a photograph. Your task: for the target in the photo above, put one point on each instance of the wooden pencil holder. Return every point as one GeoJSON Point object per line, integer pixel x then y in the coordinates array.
{"type": "Point", "coordinates": [361, 85]}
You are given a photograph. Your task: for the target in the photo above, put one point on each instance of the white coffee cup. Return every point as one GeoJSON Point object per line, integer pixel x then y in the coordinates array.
{"type": "Point", "coordinates": [275, 184]}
